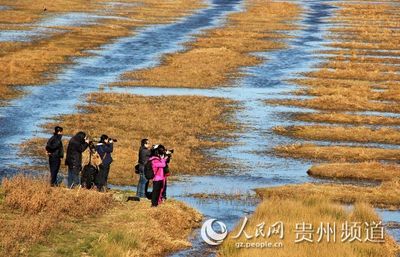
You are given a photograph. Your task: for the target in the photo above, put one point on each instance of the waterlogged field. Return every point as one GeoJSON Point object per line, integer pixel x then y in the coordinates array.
{"type": "Point", "coordinates": [359, 76]}
{"type": "Point", "coordinates": [354, 129]}
{"type": "Point", "coordinates": [288, 105]}
{"type": "Point", "coordinates": [66, 31]}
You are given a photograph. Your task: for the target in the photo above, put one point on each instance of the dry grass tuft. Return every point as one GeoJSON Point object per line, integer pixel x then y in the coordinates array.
{"type": "Point", "coordinates": [384, 196]}
{"type": "Point", "coordinates": [337, 153]}
{"type": "Point", "coordinates": [339, 103]}
{"type": "Point", "coordinates": [335, 117]}
{"type": "Point", "coordinates": [349, 134]}
{"type": "Point", "coordinates": [30, 209]}
{"type": "Point", "coordinates": [153, 231]}
{"type": "Point", "coordinates": [363, 171]}
{"type": "Point", "coordinates": [32, 196]}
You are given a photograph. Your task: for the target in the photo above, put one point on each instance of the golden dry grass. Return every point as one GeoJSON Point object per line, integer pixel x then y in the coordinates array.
{"type": "Point", "coordinates": [367, 27]}
{"type": "Point", "coordinates": [362, 171]}
{"type": "Point", "coordinates": [26, 11]}
{"type": "Point", "coordinates": [202, 68]}
{"type": "Point", "coordinates": [350, 134]}
{"type": "Point", "coordinates": [130, 229]}
{"type": "Point", "coordinates": [313, 210]}
{"type": "Point", "coordinates": [34, 196]}
{"type": "Point", "coordinates": [385, 195]}
{"type": "Point", "coordinates": [189, 124]}
{"type": "Point", "coordinates": [382, 92]}
{"type": "Point", "coordinates": [355, 73]}
{"type": "Point", "coordinates": [30, 208]}
{"type": "Point", "coordinates": [39, 220]}
{"type": "Point", "coordinates": [215, 57]}
{"type": "Point", "coordinates": [348, 80]}
{"type": "Point", "coordinates": [337, 153]}
{"type": "Point", "coordinates": [336, 117]}
{"type": "Point", "coordinates": [339, 103]}
{"type": "Point", "coordinates": [27, 64]}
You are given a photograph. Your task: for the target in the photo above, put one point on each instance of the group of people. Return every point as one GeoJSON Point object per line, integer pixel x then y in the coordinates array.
{"type": "Point", "coordinates": [89, 164]}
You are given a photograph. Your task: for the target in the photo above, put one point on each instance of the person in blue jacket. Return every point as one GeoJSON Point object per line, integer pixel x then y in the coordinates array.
{"type": "Point", "coordinates": [104, 148]}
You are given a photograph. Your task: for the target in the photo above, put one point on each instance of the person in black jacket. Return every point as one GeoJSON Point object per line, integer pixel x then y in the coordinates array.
{"type": "Point", "coordinates": [144, 155]}
{"type": "Point", "coordinates": [55, 151]}
{"type": "Point", "coordinates": [104, 148]}
{"type": "Point", "coordinates": [77, 144]}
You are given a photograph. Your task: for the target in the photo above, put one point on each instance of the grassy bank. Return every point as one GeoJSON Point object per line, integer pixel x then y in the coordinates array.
{"type": "Point", "coordinates": [347, 134]}
{"type": "Point", "coordinates": [38, 220]}
{"type": "Point", "coordinates": [344, 118]}
{"type": "Point", "coordinates": [385, 195]}
{"type": "Point", "coordinates": [362, 171]}
{"type": "Point", "coordinates": [189, 124]}
{"type": "Point", "coordinates": [337, 153]}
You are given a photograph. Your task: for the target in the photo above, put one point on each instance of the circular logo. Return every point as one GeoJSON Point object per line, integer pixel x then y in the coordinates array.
{"type": "Point", "coordinates": [210, 236]}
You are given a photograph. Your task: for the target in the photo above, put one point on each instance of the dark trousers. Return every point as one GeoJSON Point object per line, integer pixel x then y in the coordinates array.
{"type": "Point", "coordinates": [106, 171]}
{"type": "Point", "coordinates": [54, 163]}
{"type": "Point", "coordinates": [101, 177]}
{"type": "Point", "coordinates": [157, 191]}
{"type": "Point", "coordinates": [164, 192]}
{"type": "Point", "coordinates": [146, 190]}
{"type": "Point", "coordinates": [73, 176]}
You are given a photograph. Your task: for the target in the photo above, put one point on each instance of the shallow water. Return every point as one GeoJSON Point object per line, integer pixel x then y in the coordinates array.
{"type": "Point", "coordinates": [23, 118]}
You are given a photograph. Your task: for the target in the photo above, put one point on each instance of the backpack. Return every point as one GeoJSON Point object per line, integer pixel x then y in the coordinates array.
{"type": "Point", "coordinates": [89, 173]}
{"type": "Point", "coordinates": [148, 170]}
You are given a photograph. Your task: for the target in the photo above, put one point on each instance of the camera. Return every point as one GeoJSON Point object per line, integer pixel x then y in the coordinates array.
{"type": "Point", "coordinates": [169, 152]}
{"type": "Point", "coordinates": [112, 139]}
{"type": "Point", "coordinates": [106, 140]}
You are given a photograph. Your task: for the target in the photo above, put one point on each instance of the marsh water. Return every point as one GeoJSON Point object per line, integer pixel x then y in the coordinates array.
{"type": "Point", "coordinates": [257, 166]}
